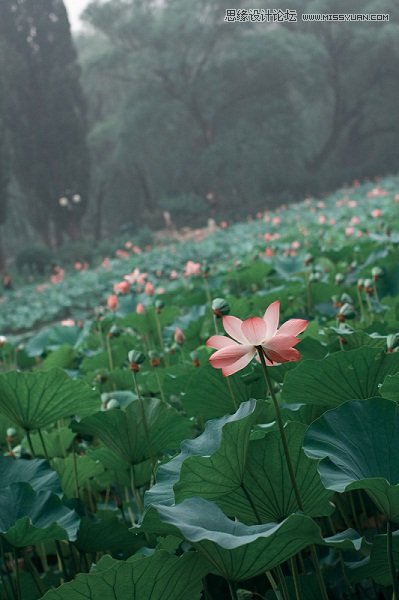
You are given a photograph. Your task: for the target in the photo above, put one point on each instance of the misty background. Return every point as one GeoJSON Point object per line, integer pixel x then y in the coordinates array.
{"type": "Point", "coordinates": [149, 107]}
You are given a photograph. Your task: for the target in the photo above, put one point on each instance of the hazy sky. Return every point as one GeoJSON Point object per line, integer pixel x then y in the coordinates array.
{"type": "Point", "coordinates": [74, 8]}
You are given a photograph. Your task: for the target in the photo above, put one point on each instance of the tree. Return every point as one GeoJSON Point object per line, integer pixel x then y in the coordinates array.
{"type": "Point", "coordinates": [50, 156]}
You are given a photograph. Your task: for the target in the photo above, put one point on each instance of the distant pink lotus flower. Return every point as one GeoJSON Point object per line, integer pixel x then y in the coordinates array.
{"type": "Point", "coordinates": [276, 220]}
{"type": "Point", "coordinates": [112, 302]}
{"type": "Point", "coordinates": [332, 221]}
{"type": "Point", "coordinates": [376, 213]}
{"type": "Point", "coordinates": [121, 253]}
{"type": "Point", "coordinates": [106, 263]}
{"type": "Point", "coordinates": [246, 337]}
{"type": "Point", "coordinates": [68, 323]}
{"type": "Point", "coordinates": [140, 309]}
{"type": "Point", "coordinates": [179, 336]}
{"type": "Point", "coordinates": [173, 275]}
{"type": "Point", "coordinates": [322, 219]}
{"type": "Point", "coordinates": [269, 251]}
{"type": "Point", "coordinates": [122, 287]}
{"type": "Point", "coordinates": [355, 220]}
{"type": "Point", "coordinates": [149, 289]}
{"type": "Point", "coordinates": [352, 203]}
{"type": "Point", "coordinates": [295, 244]}
{"type": "Point", "coordinates": [349, 231]}
{"type": "Point", "coordinates": [192, 268]}
{"type": "Point", "coordinates": [136, 277]}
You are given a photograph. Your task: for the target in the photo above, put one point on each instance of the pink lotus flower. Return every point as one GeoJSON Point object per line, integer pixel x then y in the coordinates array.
{"type": "Point", "coordinates": [376, 213]}
{"type": "Point", "coordinates": [122, 287]}
{"type": "Point", "coordinates": [112, 302]}
{"type": "Point", "coordinates": [68, 323]}
{"type": "Point", "coordinates": [192, 268]}
{"type": "Point", "coordinates": [235, 352]}
{"type": "Point", "coordinates": [179, 336]}
{"type": "Point", "coordinates": [149, 289]}
{"type": "Point", "coordinates": [140, 309]}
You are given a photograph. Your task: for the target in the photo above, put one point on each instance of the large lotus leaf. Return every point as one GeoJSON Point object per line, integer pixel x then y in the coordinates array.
{"type": "Point", "coordinates": [390, 388]}
{"type": "Point", "coordinates": [257, 488]}
{"type": "Point", "coordinates": [36, 472]}
{"type": "Point", "coordinates": [235, 427]}
{"type": "Point", "coordinates": [358, 444]}
{"type": "Point", "coordinates": [376, 565]}
{"type": "Point", "coordinates": [86, 469]}
{"type": "Point", "coordinates": [56, 442]}
{"type": "Point", "coordinates": [106, 533]}
{"type": "Point", "coordinates": [237, 551]}
{"type": "Point", "coordinates": [124, 431]}
{"type": "Point", "coordinates": [36, 400]}
{"type": "Point", "coordinates": [160, 576]}
{"type": "Point", "coordinates": [339, 377]}
{"type": "Point", "coordinates": [205, 393]}
{"type": "Point", "coordinates": [28, 517]}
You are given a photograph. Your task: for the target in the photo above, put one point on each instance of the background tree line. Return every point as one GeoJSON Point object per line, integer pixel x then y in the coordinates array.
{"type": "Point", "coordinates": [183, 112]}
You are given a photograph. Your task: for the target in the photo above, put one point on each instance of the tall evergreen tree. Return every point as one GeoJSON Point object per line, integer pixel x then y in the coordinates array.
{"type": "Point", "coordinates": [47, 115]}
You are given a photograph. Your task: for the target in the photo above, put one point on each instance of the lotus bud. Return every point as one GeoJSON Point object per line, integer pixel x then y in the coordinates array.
{"type": "Point", "coordinates": [220, 307]}
{"type": "Point", "coordinates": [140, 309]}
{"type": "Point", "coordinates": [360, 284]}
{"type": "Point", "coordinates": [368, 286]}
{"type": "Point", "coordinates": [159, 304]}
{"type": "Point", "coordinates": [309, 259]}
{"type": "Point", "coordinates": [376, 273]}
{"type": "Point", "coordinates": [345, 298]}
{"type": "Point", "coordinates": [339, 278]}
{"type": "Point", "coordinates": [136, 358]}
{"type": "Point", "coordinates": [179, 336]}
{"type": "Point", "coordinates": [11, 432]}
{"type": "Point", "coordinates": [112, 403]}
{"type": "Point", "coordinates": [347, 311]}
{"type": "Point", "coordinates": [195, 358]}
{"type": "Point", "coordinates": [3, 340]}
{"type": "Point", "coordinates": [155, 359]}
{"type": "Point", "coordinates": [114, 332]}
{"type": "Point", "coordinates": [392, 342]}
{"type": "Point", "coordinates": [315, 276]}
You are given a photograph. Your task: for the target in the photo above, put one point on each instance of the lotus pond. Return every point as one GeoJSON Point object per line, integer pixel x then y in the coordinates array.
{"type": "Point", "coordinates": [213, 419]}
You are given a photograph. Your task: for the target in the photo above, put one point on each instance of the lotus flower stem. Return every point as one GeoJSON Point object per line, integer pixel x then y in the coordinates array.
{"type": "Point", "coordinates": [43, 444]}
{"type": "Point", "coordinates": [30, 443]}
{"type": "Point", "coordinates": [17, 574]}
{"type": "Point", "coordinates": [274, 585]}
{"type": "Point", "coordinates": [280, 424]}
{"type": "Point", "coordinates": [282, 583]}
{"type": "Point", "coordinates": [295, 577]}
{"type": "Point", "coordinates": [391, 563]}
{"type": "Point", "coordinates": [290, 466]}
{"type": "Point", "coordinates": [233, 590]}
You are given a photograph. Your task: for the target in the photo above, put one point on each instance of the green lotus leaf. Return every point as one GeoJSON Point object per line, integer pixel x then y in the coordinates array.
{"type": "Point", "coordinates": [28, 517]}
{"type": "Point", "coordinates": [160, 576]}
{"type": "Point", "coordinates": [36, 400]}
{"type": "Point", "coordinates": [124, 431]}
{"type": "Point", "coordinates": [106, 533]}
{"type": "Point", "coordinates": [86, 469]}
{"type": "Point", "coordinates": [339, 377]}
{"type": "Point", "coordinates": [259, 490]}
{"type": "Point", "coordinates": [36, 472]}
{"type": "Point", "coordinates": [390, 388]}
{"type": "Point", "coordinates": [236, 427]}
{"type": "Point", "coordinates": [358, 446]}
{"type": "Point", "coordinates": [206, 394]}
{"type": "Point", "coordinates": [376, 565]}
{"type": "Point", "coordinates": [237, 551]}
{"type": "Point", "coordinates": [56, 442]}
